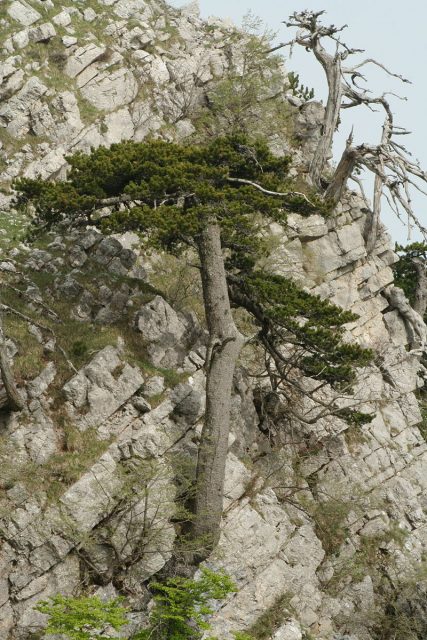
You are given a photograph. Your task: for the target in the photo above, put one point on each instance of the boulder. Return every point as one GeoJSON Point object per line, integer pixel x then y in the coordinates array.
{"type": "Point", "coordinates": [165, 331]}
{"type": "Point", "coordinates": [101, 388]}
{"type": "Point", "coordinates": [14, 113]}
{"type": "Point", "coordinates": [23, 13]}
{"type": "Point", "coordinates": [107, 249]}
{"type": "Point", "coordinates": [291, 630]}
{"type": "Point", "coordinates": [82, 58]}
{"type": "Point", "coordinates": [188, 402]}
{"type": "Point", "coordinates": [42, 33]}
{"type": "Point", "coordinates": [154, 386]}
{"type": "Point", "coordinates": [109, 91]}
{"type": "Point", "coordinates": [39, 385]}
{"type": "Point", "coordinates": [89, 14]}
{"type": "Point", "coordinates": [119, 126]}
{"type": "Point", "coordinates": [69, 41]}
{"type": "Point", "coordinates": [62, 19]}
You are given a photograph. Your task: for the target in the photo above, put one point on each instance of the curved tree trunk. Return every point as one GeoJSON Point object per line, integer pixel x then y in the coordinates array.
{"type": "Point", "coordinates": [225, 343]}
{"type": "Point", "coordinates": [342, 173]}
{"type": "Point", "coordinates": [420, 298]}
{"type": "Point", "coordinates": [373, 220]}
{"type": "Point", "coordinates": [332, 68]}
{"type": "Point", "coordinates": [9, 396]}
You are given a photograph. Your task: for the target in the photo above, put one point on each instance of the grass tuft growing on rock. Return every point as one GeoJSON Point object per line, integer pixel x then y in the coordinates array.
{"type": "Point", "coordinates": [270, 621]}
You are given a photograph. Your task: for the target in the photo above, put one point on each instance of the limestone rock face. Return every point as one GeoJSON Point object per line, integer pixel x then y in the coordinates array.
{"type": "Point", "coordinates": [134, 67]}
{"type": "Point", "coordinates": [101, 391]}
{"type": "Point", "coordinates": [314, 514]}
{"type": "Point", "coordinates": [82, 58]}
{"type": "Point", "coordinates": [279, 553]}
{"type": "Point", "coordinates": [109, 91]}
{"type": "Point", "coordinates": [168, 335]}
{"type": "Point", "coordinates": [23, 13]}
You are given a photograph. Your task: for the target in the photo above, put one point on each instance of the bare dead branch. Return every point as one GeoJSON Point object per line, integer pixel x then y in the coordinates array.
{"type": "Point", "coordinates": [378, 64]}
{"type": "Point", "coordinates": [285, 194]}
{"type": "Point", "coordinates": [395, 171]}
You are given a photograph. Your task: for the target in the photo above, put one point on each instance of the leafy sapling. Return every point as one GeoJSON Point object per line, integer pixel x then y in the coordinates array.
{"type": "Point", "coordinates": [83, 618]}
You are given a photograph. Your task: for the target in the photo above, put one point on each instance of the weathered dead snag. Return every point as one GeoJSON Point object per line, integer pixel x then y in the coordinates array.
{"type": "Point", "coordinates": [396, 173]}
{"type": "Point", "coordinates": [9, 396]}
{"type": "Point", "coordinates": [420, 297]}
{"type": "Point", "coordinates": [413, 320]}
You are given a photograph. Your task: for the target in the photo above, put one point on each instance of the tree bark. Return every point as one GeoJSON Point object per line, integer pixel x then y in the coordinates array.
{"type": "Point", "coordinates": [225, 343]}
{"type": "Point", "coordinates": [9, 396]}
{"type": "Point", "coordinates": [420, 298]}
{"type": "Point", "coordinates": [332, 68]}
{"type": "Point", "coordinates": [413, 320]}
{"type": "Point", "coordinates": [342, 174]}
{"type": "Point", "coordinates": [373, 220]}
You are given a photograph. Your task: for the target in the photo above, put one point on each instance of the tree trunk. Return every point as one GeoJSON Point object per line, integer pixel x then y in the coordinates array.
{"type": "Point", "coordinates": [9, 396]}
{"type": "Point", "coordinates": [225, 343]}
{"type": "Point", "coordinates": [420, 299]}
{"type": "Point", "coordinates": [342, 173]}
{"type": "Point", "coordinates": [332, 67]}
{"type": "Point", "coordinates": [373, 220]}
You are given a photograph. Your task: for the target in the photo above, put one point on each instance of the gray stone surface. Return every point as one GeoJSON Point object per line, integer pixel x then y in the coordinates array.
{"type": "Point", "coordinates": [23, 13]}
{"type": "Point", "coordinates": [270, 547]}
{"type": "Point", "coordinates": [42, 32]}
{"type": "Point", "coordinates": [165, 332]}
{"type": "Point", "coordinates": [101, 390]}
{"type": "Point", "coordinates": [82, 58]}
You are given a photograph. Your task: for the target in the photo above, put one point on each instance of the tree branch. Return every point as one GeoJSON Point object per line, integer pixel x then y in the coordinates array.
{"type": "Point", "coordinates": [285, 194]}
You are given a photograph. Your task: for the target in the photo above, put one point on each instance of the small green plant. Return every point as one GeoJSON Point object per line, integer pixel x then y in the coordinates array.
{"type": "Point", "coordinates": [180, 611]}
{"type": "Point", "coordinates": [423, 407]}
{"type": "Point", "coordinates": [405, 270]}
{"type": "Point", "coordinates": [83, 618]}
{"type": "Point", "coordinates": [269, 621]}
{"type": "Point", "coordinates": [79, 348]}
{"type": "Point", "coordinates": [299, 90]}
{"type": "Point", "coordinates": [183, 604]}
{"type": "Point", "coordinates": [331, 523]}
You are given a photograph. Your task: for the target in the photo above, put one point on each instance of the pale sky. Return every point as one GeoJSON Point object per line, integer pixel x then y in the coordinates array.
{"type": "Point", "coordinates": [391, 31]}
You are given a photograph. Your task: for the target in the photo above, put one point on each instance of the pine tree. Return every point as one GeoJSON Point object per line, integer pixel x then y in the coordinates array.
{"type": "Point", "coordinates": [215, 199]}
{"type": "Point", "coordinates": [410, 274]}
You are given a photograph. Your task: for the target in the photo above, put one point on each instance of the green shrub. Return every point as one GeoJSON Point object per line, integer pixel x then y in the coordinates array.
{"type": "Point", "coordinates": [83, 618]}
{"type": "Point", "coordinates": [182, 605]}
{"type": "Point", "coordinates": [179, 613]}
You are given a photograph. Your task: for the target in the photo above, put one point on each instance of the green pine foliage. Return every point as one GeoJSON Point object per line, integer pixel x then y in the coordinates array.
{"type": "Point", "coordinates": [405, 275]}
{"type": "Point", "coordinates": [175, 190]}
{"type": "Point", "coordinates": [298, 89]}
{"type": "Point", "coordinates": [158, 174]}
{"type": "Point", "coordinates": [83, 618]}
{"type": "Point", "coordinates": [307, 321]}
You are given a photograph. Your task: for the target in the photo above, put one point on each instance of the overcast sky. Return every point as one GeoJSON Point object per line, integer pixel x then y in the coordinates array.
{"type": "Point", "coordinates": [392, 36]}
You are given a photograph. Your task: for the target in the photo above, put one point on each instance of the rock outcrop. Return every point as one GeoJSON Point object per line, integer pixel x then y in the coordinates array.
{"type": "Point", "coordinates": [72, 78]}
{"type": "Point", "coordinates": [322, 522]}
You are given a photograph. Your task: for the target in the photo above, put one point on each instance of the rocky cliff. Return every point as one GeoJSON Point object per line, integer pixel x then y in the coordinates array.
{"type": "Point", "coordinates": [76, 76]}
{"type": "Point", "coordinates": [324, 527]}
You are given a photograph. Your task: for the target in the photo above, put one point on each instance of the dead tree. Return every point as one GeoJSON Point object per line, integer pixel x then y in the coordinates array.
{"type": "Point", "coordinates": [396, 173]}
{"type": "Point", "coordinates": [9, 395]}
{"type": "Point", "coordinates": [309, 36]}
{"type": "Point", "coordinates": [420, 297]}
{"type": "Point", "coordinates": [413, 320]}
